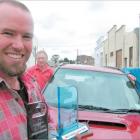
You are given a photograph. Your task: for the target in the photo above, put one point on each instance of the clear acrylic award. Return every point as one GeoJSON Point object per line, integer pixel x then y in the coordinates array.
{"type": "Point", "coordinates": [37, 120]}
{"type": "Point", "coordinates": [68, 125]}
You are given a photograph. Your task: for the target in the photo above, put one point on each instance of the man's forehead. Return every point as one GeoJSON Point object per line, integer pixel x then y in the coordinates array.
{"type": "Point", "coordinates": [41, 55]}
{"type": "Point", "coordinates": [13, 16]}
{"type": "Point", "coordinates": [6, 8]}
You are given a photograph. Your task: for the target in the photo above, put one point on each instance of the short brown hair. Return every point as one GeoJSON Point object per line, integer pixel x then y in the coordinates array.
{"type": "Point", "coordinates": [16, 4]}
{"type": "Point", "coordinates": [42, 51]}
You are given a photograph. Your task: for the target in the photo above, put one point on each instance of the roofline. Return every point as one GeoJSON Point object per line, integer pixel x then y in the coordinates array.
{"type": "Point", "coordinates": [92, 68]}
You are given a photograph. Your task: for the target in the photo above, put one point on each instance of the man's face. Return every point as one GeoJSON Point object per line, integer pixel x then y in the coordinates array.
{"type": "Point", "coordinates": [41, 59]}
{"type": "Point", "coordinates": [16, 31]}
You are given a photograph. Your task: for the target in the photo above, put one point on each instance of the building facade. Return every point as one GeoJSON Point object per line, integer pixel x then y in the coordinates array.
{"type": "Point", "coordinates": [120, 49]}
{"type": "Point", "coordinates": [85, 59]}
{"type": "Point", "coordinates": [99, 52]}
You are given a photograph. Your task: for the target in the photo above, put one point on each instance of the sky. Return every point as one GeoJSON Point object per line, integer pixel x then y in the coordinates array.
{"type": "Point", "coordinates": [72, 27]}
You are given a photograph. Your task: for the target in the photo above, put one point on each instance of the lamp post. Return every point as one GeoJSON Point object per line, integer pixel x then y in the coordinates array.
{"type": "Point", "coordinates": [77, 56]}
{"type": "Point", "coordinates": [139, 44]}
{"type": "Point", "coordinates": [35, 51]}
{"type": "Point", "coordinates": [35, 47]}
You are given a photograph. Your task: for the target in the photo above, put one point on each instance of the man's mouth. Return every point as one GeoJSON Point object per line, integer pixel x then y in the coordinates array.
{"type": "Point", "coordinates": [15, 56]}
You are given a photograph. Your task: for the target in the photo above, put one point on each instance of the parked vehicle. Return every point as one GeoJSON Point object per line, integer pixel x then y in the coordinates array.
{"type": "Point", "coordinates": [108, 101]}
{"type": "Point", "coordinates": [135, 72]}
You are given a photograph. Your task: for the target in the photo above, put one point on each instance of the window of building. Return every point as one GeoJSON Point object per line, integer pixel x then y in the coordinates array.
{"type": "Point", "coordinates": [111, 54]}
{"type": "Point", "coordinates": [130, 56]}
{"type": "Point", "coordinates": [125, 62]}
{"type": "Point", "coordinates": [106, 59]}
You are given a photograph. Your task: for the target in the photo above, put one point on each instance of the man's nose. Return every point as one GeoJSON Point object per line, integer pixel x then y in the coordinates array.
{"type": "Point", "coordinates": [18, 42]}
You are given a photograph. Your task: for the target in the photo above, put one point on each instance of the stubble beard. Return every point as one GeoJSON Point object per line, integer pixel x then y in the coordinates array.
{"type": "Point", "coordinates": [18, 71]}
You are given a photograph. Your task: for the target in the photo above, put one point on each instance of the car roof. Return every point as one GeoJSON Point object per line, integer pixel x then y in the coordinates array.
{"type": "Point", "coordinates": [92, 68]}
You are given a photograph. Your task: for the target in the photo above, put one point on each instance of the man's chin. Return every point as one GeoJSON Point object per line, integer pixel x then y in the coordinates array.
{"type": "Point", "coordinates": [17, 72]}
{"type": "Point", "coordinates": [13, 70]}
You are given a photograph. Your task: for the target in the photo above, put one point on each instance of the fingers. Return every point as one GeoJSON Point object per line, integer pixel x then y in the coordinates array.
{"type": "Point", "coordinates": [78, 137]}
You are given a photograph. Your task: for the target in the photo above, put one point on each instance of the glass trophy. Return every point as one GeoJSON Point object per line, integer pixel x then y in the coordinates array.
{"type": "Point", "coordinates": [37, 120]}
{"type": "Point", "coordinates": [68, 125]}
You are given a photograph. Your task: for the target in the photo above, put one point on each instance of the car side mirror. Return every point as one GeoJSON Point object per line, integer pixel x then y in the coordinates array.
{"type": "Point", "coordinates": [132, 78]}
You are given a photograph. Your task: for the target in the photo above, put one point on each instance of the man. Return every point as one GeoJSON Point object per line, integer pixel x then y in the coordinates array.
{"type": "Point", "coordinates": [41, 71]}
{"type": "Point", "coordinates": [18, 93]}
{"type": "Point", "coordinates": [16, 90]}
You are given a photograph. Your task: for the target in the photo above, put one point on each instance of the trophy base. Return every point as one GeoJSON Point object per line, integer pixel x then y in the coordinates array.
{"type": "Point", "coordinates": [81, 129]}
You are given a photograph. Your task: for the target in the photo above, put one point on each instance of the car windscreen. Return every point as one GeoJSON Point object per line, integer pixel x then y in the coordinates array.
{"type": "Point", "coordinates": [100, 89]}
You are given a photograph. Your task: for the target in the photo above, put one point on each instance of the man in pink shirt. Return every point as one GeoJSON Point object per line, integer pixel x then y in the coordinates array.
{"type": "Point", "coordinates": [42, 72]}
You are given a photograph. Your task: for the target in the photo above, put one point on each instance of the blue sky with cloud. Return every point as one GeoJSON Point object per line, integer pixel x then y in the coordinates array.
{"type": "Point", "coordinates": [62, 27]}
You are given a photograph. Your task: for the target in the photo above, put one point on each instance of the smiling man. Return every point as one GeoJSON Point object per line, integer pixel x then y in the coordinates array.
{"type": "Point", "coordinates": [16, 90]}
{"type": "Point", "coordinates": [42, 72]}
{"type": "Point", "coordinates": [16, 31]}
{"type": "Point", "coordinates": [19, 94]}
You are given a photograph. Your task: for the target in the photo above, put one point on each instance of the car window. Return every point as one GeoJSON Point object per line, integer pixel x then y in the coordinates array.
{"type": "Point", "coordinates": [77, 78]}
{"type": "Point", "coordinates": [99, 89]}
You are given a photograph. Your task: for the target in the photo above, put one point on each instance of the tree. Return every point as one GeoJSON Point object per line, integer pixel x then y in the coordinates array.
{"type": "Point", "coordinates": [55, 58]}
{"type": "Point", "coordinates": [66, 59]}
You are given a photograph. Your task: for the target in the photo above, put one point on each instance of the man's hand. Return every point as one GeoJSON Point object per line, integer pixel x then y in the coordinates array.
{"type": "Point", "coordinates": [84, 136]}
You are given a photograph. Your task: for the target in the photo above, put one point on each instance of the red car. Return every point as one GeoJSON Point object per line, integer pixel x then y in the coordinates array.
{"type": "Point", "coordinates": [108, 101]}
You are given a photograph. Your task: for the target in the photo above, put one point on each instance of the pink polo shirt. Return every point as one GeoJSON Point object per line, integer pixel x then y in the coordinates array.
{"type": "Point", "coordinates": [42, 76]}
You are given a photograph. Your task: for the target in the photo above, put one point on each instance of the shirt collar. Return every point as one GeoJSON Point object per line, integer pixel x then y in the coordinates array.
{"type": "Point", "coordinates": [38, 68]}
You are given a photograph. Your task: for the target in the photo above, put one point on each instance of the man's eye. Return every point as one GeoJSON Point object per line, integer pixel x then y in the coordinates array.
{"type": "Point", "coordinates": [28, 37]}
{"type": "Point", "coordinates": [8, 33]}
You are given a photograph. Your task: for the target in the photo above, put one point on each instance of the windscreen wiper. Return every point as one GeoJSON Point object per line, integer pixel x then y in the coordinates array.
{"type": "Point", "coordinates": [115, 111]}
{"type": "Point", "coordinates": [122, 111]}
{"type": "Point", "coordinates": [91, 107]}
